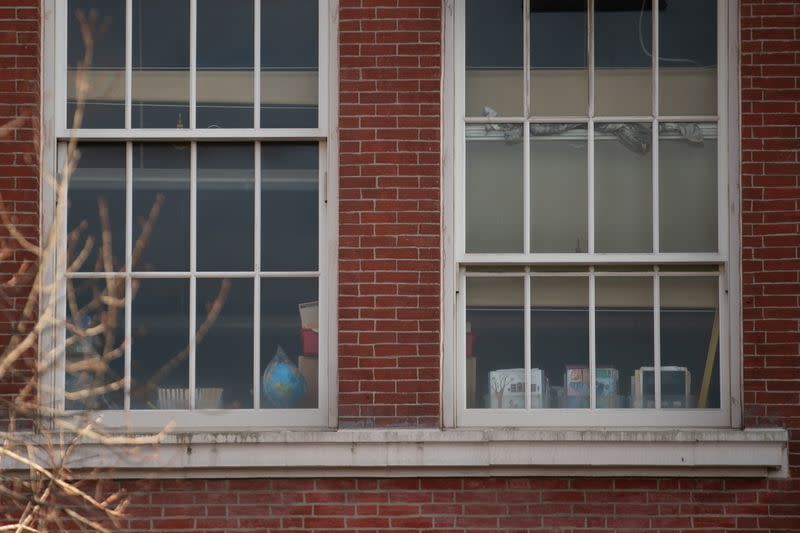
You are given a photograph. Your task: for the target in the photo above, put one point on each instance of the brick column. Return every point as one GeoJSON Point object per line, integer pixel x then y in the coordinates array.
{"type": "Point", "coordinates": [19, 182]}
{"type": "Point", "coordinates": [390, 228]}
{"type": "Point", "coordinates": [771, 216]}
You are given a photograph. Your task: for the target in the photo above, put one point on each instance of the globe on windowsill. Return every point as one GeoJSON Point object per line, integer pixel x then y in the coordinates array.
{"type": "Point", "coordinates": [282, 385]}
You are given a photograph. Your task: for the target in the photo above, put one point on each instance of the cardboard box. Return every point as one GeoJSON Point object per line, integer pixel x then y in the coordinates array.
{"type": "Point", "coordinates": [309, 369]}
{"type": "Point", "coordinates": [472, 382]}
{"type": "Point", "coordinates": [470, 341]}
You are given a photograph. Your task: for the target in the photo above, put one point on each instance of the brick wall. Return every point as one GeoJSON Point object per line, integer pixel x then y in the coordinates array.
{"type": "Point", "coordinates": [19, 185]}
{"type": "Point", "coordinates": [389, 299]}
{"type": "Point", "coordinates": [389, 256]}
{"type": "Point", "coordinates": [540, 505]}
{"type": "Point", "coordinates": [770, 62]}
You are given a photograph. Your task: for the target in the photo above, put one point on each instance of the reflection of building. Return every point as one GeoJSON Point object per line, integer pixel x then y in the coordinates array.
{"type": "Point", "coordinates": [220, 87]}
{"type": "Point", "coordinates": [384, 190]}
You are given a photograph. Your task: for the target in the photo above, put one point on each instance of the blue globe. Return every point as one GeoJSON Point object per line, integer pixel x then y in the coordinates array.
{"type": "Point", "coordinates": [282, 384]}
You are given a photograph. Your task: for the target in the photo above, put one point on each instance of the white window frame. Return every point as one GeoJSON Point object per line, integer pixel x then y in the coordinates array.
{"type": "Point", "coordinates": [455, 413]}
{"type": "Point", "coordinates": [325, 135]}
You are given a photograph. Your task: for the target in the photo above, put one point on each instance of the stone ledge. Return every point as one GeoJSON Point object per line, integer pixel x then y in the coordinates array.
{"type": "Point", "coordinates": [500, 452]}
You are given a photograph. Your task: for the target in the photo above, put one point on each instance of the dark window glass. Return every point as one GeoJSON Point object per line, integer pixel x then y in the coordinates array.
{"type": "Point", "coordinates": [289, 63]}
{"type": "Point", "coordinates": [225, 206]}
{"type": "Point", "coordinates": [97, 204]}
{"type": "Point", "coordinates": [289, 206]}
{"type": "Point", "coordinates": [225, 353]}
{"type": "Point", "coordinates": [160, 344]}
{"type": "Point", "coordinates": [160, 77]}
{"type": "Point", "coordinates": [103, 59]}
{"type": "Point", "coordinates": [225, 63]}
{"type": "Point", "coordinates": [161, 206]}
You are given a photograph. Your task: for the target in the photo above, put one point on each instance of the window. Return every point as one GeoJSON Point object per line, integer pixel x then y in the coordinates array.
{"type": "Point", "coordinates": [591, 271]}
{"type": "Point", "coordinates": [195, 242]}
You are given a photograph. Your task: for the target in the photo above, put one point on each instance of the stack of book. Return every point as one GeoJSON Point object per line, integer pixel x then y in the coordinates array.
{"type": "Point", "coordinates": [577, 380]}
{"type": "Point", "coordinates": [607, 387]}
{"type": "Point", "coordinates": [576, 383]}
{"type": "Point", "coordinates": [507, 388]}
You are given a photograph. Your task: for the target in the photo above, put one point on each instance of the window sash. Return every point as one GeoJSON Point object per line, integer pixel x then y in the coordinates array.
{"type": "Point", "coordinates": [257, 416]}
{"type": "Point", "coordinates": [191, 131]}
{"type": "Point", "coordinates": [53, 378]}
{"type": "Point", "coordinates": [592, 416]}
{"type": "Point", "coordinates": [456, 268]}
{"type": "Point", "coordinates": [463, 120]}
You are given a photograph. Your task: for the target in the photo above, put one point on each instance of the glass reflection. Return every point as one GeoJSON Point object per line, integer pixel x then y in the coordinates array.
{"type": "Point", "coordinates": [623, 57]}
{"type": "Point", "coordinates": [494, 187]}
{"type": "Point", "coordinates": [225, 206]}
{"type": "Point", "coordinates": [624, 341]}
{"type": "Point", "coordinates": [225, 352]}
{"type": "Point", "coordinates": [95, 363]}
{"type": "Point", "coordinates": [289, 343]}
{"type": "Point", "coordinates": [161, 206]}
{"type": "Point", "coordinates": [160, 344]}
{"type": "Point", "coordinates": [103, 64]}
{"type": "Point", "coordinates": [623, 188]}
{"type": "Point", "coordinates": [687, 180]}
{"type": "Point", "coordinates": [289, 63]}
{"type": "Point", "coordinates": [224, 64]}
{"type": "Point", "coordinates": [494, 58]}
{"type": "Point", "coordinates": [97, 203]}
{"type": "Point", "coordinates": [559, 74]}
{"type": "Point", "coordinates": [559, 188]}
{"type": "Point", "coordinates": [495, 344]}
{"type": "Point", "coordinates": [689, 342]}
{"type": "Point", "coordinates": [687, 61]}
{"type": "Point", "coordinates": [160, 70]}
{"type": "Point", "coordinates": [289, 206]}
{"type": "Point", "coordinates": [560, 340]}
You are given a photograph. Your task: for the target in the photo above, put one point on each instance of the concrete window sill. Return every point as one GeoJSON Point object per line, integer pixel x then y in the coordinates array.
{"type": "Point", "coordinates": [458, 452]}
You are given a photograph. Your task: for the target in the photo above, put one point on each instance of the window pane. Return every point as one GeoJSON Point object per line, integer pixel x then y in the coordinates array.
{"type": "Point", "coordinates": [559, 188]}
{"type": "Point", "coordinates": [160, 76]}
{"type": "Point", "coordinates": [687, 50]}
{"type": "Point", "coordinates": [687, 181]}
{"type": "Point", "coordinates": [289, 206]}
{"type": "Point", "coordinates": [560, 340]}
{"type": "Point", "coordinates": [225, 206]}
{"type": "Point", "coordinates": [289, 63]}
{"type": "Point", "coordinates": [559, 75]}
{"type": "Point", "coordinates": [623, 188]}
{"type": "Point", "coordinates": [495, 339]}
{"type": "Point", "coordinates": [623, 57]}
{"type": "Point", "coordinates": [225, 353]}
{"type": "Point", "coordinates": [494, 58]}
{"type": "Point", "coordinates": [161, 206]}
{"type": "Point", "coordinates": [225, 63]}
{"type": "Point", "coordinates": [494, 186]}
{"type": "Point", "coordinates": [289, 343]}
{"type": "Point", "coordinates": [103, 60]}
{"type": "Point", "coordinates": [689, 342]}
{"type": "Point", "coordinates": [624, 341]}
{"type": "Point", "coordinates": [160, 344]}
{"type": "Point", "coordinates": [95, 363]}
{"type": "Point", "coordinates": [97, 203]}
